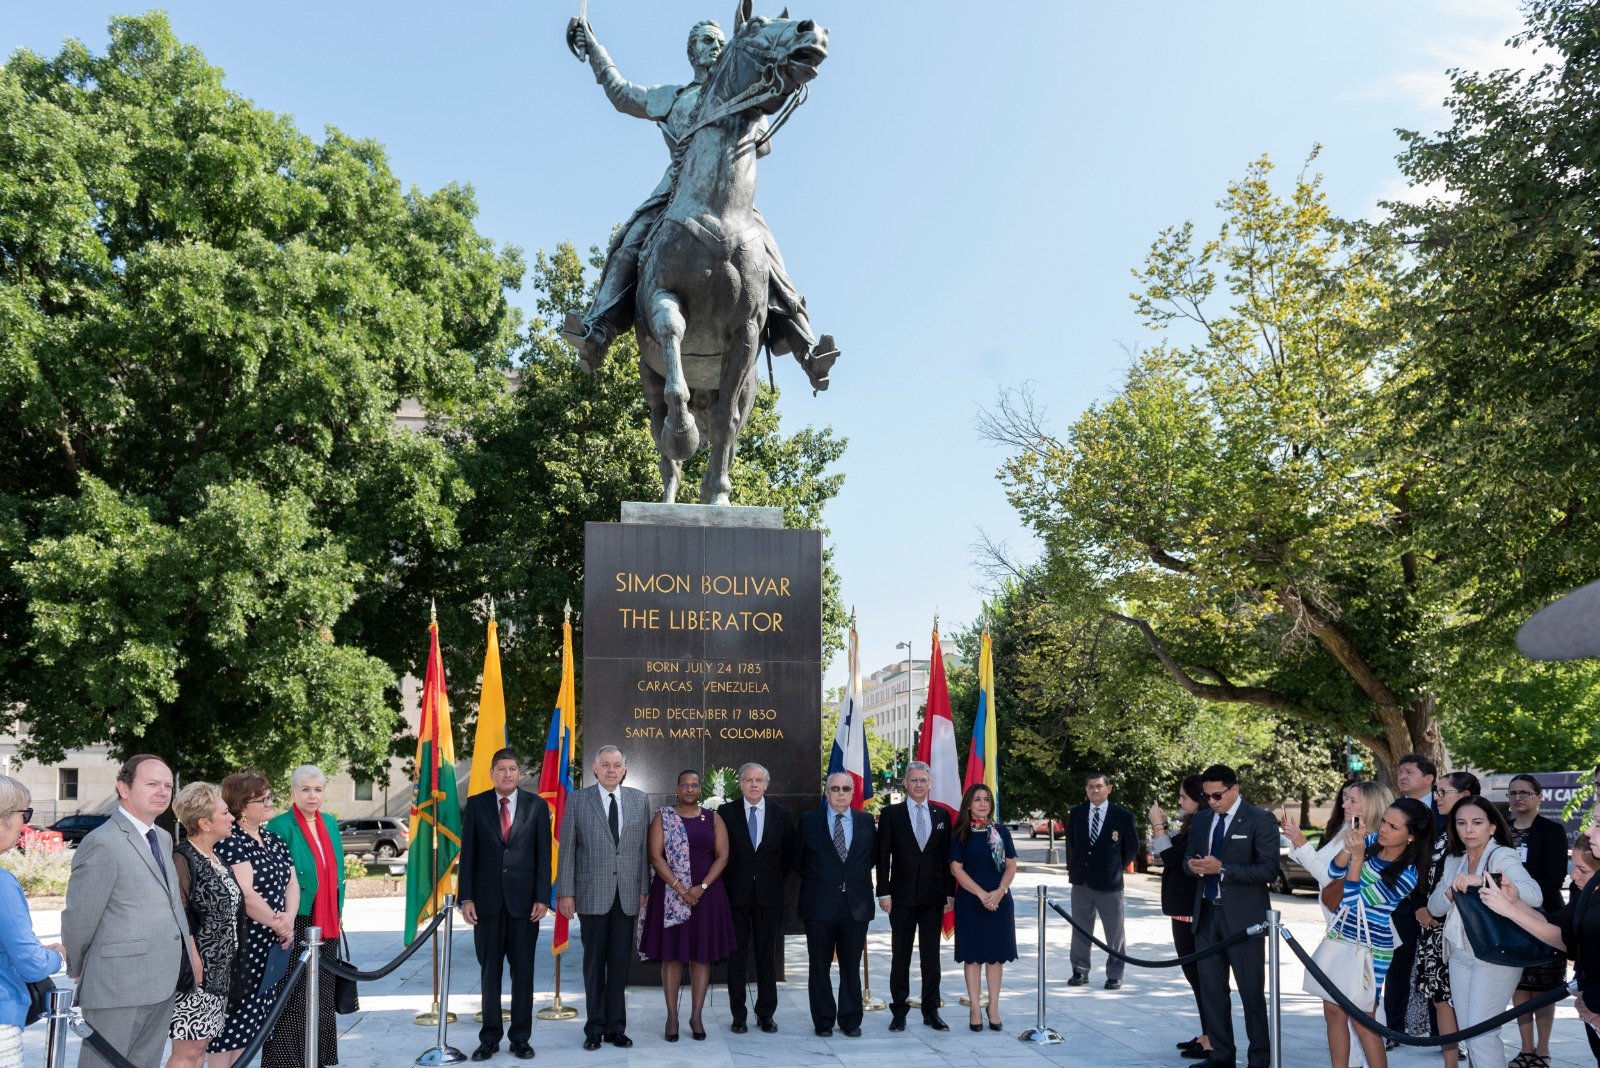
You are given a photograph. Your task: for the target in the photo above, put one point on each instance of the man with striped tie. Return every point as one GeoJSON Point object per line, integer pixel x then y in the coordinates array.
{"type": "Point", "coordinates": [1101, 842]}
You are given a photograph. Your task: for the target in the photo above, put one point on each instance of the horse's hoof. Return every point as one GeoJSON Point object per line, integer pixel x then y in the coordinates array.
{"type": "Point", "coordinates": [679, 442]}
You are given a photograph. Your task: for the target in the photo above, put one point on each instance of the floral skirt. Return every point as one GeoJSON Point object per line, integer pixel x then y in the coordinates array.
{"type": "Point", "coordinates": [1430, 975]}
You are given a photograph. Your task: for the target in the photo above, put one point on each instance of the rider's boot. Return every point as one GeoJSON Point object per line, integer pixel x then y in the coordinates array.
{"type": "Point", "coordinates": [592, 338]}
{"type": "Point", "coordinates": [819, 361]}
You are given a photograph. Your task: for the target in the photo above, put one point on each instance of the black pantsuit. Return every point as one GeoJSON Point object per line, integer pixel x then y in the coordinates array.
{"type": "Point", "coordinates": [505, 874]}
{"type": "Point", "coordinates": [605, 969]}
{"type": "Point", "coordinates": [755, 877]}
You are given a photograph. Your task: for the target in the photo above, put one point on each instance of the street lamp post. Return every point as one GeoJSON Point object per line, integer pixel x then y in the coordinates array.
{"type": "Point", "coordinates": [910, 711]}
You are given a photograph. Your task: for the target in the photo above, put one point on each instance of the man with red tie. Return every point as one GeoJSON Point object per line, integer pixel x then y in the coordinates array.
{"type": "Point", "coordinates": [505, 892]}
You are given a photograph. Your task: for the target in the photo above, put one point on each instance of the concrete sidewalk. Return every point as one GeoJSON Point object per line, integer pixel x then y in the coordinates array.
{"type": "Point", "coordinates": [1137, 1025]}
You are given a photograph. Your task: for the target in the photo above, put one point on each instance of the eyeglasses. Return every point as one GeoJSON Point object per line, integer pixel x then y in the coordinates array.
{"type": "Point", "coordinates": [267, 800]}
{"type": "Point", "coordinates": [27, 814]}
{"type": "Point", "coordinates": [841, 789]}
{"type": "Point", "coordinates": [1521, 793]}
{"type": "Point", "coordinates": [1216, 797]}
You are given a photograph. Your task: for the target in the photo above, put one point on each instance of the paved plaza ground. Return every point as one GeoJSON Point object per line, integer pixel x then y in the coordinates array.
{"type": "Point", "coordinates": [1137, 1025]}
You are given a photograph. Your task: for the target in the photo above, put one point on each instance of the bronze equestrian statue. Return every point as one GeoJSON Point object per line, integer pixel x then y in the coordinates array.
{"type": "Point", "coordinates": [695, 268]}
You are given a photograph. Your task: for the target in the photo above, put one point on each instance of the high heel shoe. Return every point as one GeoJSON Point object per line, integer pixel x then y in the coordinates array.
{"type": "Point", "coordinates": [696, 1029]}
{"type": "Point", "coordinates": [975, 1022]}
{"type": "Point", "coordinates": [994, 1025]}
{"type": "Point", "coordinates": [671, 1034]}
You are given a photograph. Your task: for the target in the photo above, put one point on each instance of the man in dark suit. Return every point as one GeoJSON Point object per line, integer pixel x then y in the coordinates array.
{"type": "Point", "coordinates": [1416, 776]}
{"type": "Point", "coordinates": [603, 878]}
{"type": "Point", "coordinates": [835, 857]}
{"type": "Point", "coordinates": [761, 846]}
{"type": "Point", "coordinates": [1101, 842]}
{"type": "Point", "coordinates": [505, 892]}
{"type": "Point", "coordinates": [916, 889]}
{"type": "Point", "coordinates": [1234, 853]}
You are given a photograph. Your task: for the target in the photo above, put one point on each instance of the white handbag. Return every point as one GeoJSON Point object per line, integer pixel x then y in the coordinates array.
{"type": "Point", "coordinates": [1348, 965]}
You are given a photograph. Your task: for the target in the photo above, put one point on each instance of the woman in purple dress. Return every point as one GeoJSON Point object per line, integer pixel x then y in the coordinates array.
{"type": "Point", "coordinates": [687, 919]}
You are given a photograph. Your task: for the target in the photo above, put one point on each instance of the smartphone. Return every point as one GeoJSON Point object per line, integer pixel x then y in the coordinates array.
{"type": "Point", "coordinates": [1355, 821]}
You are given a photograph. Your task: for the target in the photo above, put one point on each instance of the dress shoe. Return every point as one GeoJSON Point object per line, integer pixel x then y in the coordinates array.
{"type": "Point", "coordinates": [851, 1032]}
{"type": "Point", "coordinates": [523, 1052]}
{"type": "Point", "coordinates": [670, 1036]}
{"type": "Point", "coordinates": [1079, 979]}
{"type": "Point", "coordinates": [1190, 1043]}
{"type": "Point", "coordinates": [936, 1022]}
{"type": "Point", "coordinates": [768, 1027]}
{"type": "Point", "coordinates": [592, 1042]}
{"type": "Point", "coordinates": [739, 1027]}
{"type": "Point", "coordinates": [620, 1040]}
{"type": "Point", "coordinates": [897, 1024]}
{"type": "Point", "coordinates": [824, 1032]}
{"type": "Point", "coordinates": [1113, 984]}
{"type": "Point", "coordinates": [1209, 1063]}
{"type": "Point", "coordinates": [1196, 1052]}
{"type": "Point", "coordinates": [483, 1053]}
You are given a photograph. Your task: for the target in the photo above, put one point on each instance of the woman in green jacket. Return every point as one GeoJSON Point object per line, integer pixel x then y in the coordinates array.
{"type": "Point", "coordinates": [318, 856]}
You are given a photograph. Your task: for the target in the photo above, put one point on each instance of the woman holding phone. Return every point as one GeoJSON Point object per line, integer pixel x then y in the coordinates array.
{"type": "Point", "coordinates": [1430, 974]}
{"type": "Point", "coordinates": [1479, 847]}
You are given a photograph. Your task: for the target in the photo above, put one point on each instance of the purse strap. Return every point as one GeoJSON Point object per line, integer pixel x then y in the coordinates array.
{"type": "Point", "coordinates": [1363, 926]}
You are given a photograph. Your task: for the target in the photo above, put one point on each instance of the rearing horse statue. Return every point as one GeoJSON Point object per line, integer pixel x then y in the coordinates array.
{"type": "Point", "coordinates": [705, 270]}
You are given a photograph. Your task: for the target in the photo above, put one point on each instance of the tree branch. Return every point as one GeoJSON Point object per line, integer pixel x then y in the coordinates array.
{"type": "Point", "coordinates": [1223, 690]}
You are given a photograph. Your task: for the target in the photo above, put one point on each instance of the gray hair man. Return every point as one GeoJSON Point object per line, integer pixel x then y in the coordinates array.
{"type": "Point", "coordinates": [761, 843]}
{"type": "Point", "coordinates": [916, 889]}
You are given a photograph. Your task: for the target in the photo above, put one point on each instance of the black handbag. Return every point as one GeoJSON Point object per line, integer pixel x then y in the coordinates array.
{"type": "Point", "coordinates": [346, 999]}
{"type": "Point", "coordinates": [38, 1000]}
{"type": "Point", "coordinates": [1496, 939]}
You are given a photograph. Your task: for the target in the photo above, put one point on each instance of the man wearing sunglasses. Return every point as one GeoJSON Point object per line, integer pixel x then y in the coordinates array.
{"type": "Point", "coordinates": [1234, 852]}
{"type": "Point", "coordinates": [837, 853]}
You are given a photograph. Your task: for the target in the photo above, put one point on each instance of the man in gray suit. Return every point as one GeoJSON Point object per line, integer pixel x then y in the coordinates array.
{"type": "Point", "coordinates": [124, 927]}
{"type": "Point", "coordinates": [602, 877]}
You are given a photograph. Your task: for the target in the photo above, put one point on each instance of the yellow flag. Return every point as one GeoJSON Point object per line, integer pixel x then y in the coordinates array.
{"type": "Point", "coordinates": [491, 734]}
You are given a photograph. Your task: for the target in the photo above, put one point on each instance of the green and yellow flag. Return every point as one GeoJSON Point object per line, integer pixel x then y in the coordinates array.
{"type": "Point", "coordinates": [490, 737]}
{"type": "Point", "coordinates": [435, 813]}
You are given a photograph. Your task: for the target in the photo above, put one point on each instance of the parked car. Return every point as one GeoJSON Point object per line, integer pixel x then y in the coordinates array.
{"type": "Point", "coordinates": [384, 837]}
{"type": "Point", "coordinates": [1041, 828]}
{"type": "Point", "coordinates": [73, 828]}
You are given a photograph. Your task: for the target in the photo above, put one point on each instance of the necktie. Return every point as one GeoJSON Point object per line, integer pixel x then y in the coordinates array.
{"type": "Point", "coordinates": [155, 851]}
{"type": "Point", "coordinates": [612, 821]}
{"type": "Point", "coordinates": [920, 825]}
{"type": "Point", "coordinates": [1213, 883]}
{"type": "Point", "coordinates": [838, 835]}
{"type": "Point", "coordinates": [755, 830]}
{"type": "Point", "coordinates": [505, 818]}
{"type": "Point", "coordinates": [1094, 824]}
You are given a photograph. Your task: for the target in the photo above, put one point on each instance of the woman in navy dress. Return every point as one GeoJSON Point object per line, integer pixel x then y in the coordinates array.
{"type": "Point", "coordinates": [984, 862]}
{"type": "Point", "coordinates": [687, 919]}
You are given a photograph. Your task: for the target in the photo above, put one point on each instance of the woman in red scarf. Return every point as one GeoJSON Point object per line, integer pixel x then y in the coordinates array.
{"type": "Point", "coordinates": [318, 856]}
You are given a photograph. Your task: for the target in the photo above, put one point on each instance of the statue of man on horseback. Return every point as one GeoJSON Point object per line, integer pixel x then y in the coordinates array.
{"type": "Point", "coordinates": [695, 267]}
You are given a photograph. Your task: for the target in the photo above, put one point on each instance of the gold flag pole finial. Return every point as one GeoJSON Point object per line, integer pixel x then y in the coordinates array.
{"type": "Point", "coordinates": [491, 608]}
{"type": "Point", "coordinates": [936, 619]}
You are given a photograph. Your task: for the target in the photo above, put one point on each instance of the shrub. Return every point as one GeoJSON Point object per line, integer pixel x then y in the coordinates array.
{"type": "Point", "coordinates": [354, 868]}
{"type": "Point", "coordinates": [41, 874]}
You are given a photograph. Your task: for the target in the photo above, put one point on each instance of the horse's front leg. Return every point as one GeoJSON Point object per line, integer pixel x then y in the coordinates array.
{"type": "Point", "coordinates": [671, 470]}
{"type": "Point", "coordinates": [678, 438]}
{"type": "Point", "coordinates": [734, 400]}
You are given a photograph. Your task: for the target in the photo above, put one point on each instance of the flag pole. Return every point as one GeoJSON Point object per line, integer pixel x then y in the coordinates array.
{"type": "Point", "coordinates": [555, 1010]}
{"type": "Point", "coordinates": [431, 1017]}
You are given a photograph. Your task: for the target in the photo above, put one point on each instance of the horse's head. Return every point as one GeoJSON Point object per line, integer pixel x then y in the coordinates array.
{"type": "Point", "coordinates": [783, 53]}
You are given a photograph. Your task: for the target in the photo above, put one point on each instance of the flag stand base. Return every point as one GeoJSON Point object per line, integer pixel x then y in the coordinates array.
{"type": "Point", "coordinates": [983, 1001]}
{"type": "Point", "coordinates": [505, 1017]}
{"type": "Point", "coordinates": [555, 1010]}
{"type": "Point", "coordinates": [430, 1018]}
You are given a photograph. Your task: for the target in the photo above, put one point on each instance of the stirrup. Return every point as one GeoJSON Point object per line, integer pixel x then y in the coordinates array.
{"type": "Point", "coordinates": [824, 354]}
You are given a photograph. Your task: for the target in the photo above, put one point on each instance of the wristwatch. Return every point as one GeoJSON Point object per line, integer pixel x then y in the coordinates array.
{"type": "Point", "coordinates": [704, 887]}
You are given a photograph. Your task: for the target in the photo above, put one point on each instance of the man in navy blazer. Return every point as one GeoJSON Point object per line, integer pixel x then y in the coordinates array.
{"type": "Point", "coordinates": [1101, 842]}
{"type": "Point", "coordinates": [838, 846]}
{"type": "Point", "coordinates": [916, 889]}
{"type": "Point", "coordinates": [1233, 851]}
{"type": "Point", "coordinates": [505, 892]}
{"type": "Point", "coordinates": [760, 858]}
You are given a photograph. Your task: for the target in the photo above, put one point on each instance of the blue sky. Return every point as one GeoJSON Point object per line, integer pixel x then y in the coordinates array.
{"type": "Point", "coordinates": [961, 200]}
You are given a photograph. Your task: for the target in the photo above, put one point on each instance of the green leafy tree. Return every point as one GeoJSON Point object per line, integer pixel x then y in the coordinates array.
{"type": "Point", "coordinates": [1540, 718]}
{"type": "Point", "coordinates": [209, 521]}
{"type": "Point", "coordinates": [1503, 304]}
{"type": "Point", "coordinates": [1240, 505]}
{"type": "Point", "coordinates": [562, 449]}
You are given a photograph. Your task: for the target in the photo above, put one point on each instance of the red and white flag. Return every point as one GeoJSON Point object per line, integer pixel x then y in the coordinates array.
{"type": "Point", "coordinates": [936, 747]}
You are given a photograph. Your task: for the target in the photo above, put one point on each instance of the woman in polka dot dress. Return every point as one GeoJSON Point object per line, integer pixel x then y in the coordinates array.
{"type": "Point", "coordinates": [260, 861]}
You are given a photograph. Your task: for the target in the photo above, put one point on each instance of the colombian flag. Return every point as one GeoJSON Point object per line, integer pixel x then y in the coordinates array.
{"type": "Point", "coordinates": [850, 736]}
{"type": "Point", "coordinates": [983, 759]}
{"type": "Point", "coordinates": [491, 736]}
{"type": "Point", "coordinates": [435, 812]}
{"type": "Point", "coordinates": [555, 774]}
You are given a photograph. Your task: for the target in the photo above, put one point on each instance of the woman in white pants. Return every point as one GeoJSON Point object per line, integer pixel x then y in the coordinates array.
{"type": "Point", "coordinates": [1479, 845]}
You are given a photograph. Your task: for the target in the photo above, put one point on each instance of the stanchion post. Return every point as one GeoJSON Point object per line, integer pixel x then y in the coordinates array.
{"type": "Point", "coordinates": [1039, 1034]}
{"type": "Point", "coordinates": [313, 994]}
{"type": "Point", "coordinates": [59, 1011]}
{"type": "Point", "coordinates": [442, 1052]}
{"type": "Point", "coordinates": [1275, 985]}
